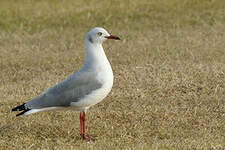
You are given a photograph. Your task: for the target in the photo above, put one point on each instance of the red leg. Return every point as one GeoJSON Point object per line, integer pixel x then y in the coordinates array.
{"type": "Point", "coordinates": [81, 124]}
{"type": "Point", "coordinates": [82, 127]}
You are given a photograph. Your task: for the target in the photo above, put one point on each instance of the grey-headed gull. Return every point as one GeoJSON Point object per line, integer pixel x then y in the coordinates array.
{"type": "Point", "coordinates": [87, 87]}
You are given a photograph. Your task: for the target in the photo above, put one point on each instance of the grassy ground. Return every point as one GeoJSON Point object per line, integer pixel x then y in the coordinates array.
{"type": "Point", "coordinates": [169, 67]}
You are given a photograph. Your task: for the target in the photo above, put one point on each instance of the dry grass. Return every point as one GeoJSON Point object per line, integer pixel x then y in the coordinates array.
{"type": "Point", "coordinates": [169, 90]}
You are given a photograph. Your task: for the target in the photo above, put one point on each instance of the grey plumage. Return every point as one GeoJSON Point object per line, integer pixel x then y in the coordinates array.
{"type": "Point", "coordinates": [70, 90]}
{"type": "Point", "coordinates": [90, 39]}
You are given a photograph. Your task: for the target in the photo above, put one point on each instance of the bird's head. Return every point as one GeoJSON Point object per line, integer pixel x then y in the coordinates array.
{"type": "Point", "coordinates": [99, 35]}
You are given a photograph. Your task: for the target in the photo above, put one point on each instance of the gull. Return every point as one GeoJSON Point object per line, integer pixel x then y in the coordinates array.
{"type": "Point", "coordinates": [85, 88]}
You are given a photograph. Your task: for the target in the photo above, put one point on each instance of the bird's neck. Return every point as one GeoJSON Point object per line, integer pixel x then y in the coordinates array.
{"type": "Point", "coordinates": [95, 56]}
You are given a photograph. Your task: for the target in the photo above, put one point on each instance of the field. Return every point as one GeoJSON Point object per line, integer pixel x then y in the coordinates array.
{"type": "Point", "coordinates": [169, 73]}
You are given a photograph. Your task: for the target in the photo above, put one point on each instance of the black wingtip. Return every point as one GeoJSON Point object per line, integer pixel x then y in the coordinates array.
{"type": "Point", "coordinates": [21, 108]}
{"type": "Point", "coordinates": [19, 114]}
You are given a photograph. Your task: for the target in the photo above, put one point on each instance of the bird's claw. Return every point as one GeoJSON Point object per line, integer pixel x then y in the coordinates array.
{"type": "Point", "coordinates": [88, 138]}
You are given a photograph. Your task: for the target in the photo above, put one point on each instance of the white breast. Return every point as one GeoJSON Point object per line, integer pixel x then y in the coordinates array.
{"type": "Point", "coordinates": [97, 62]}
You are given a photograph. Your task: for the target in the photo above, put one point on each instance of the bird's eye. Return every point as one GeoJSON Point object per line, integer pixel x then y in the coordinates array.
{"type": "Point", "coordinates": [99, 33]}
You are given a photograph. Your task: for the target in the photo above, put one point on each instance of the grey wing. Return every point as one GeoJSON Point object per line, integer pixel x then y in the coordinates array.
{"type": "Point", "coordinates": [70, 90]}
